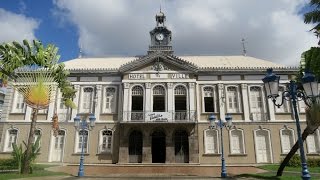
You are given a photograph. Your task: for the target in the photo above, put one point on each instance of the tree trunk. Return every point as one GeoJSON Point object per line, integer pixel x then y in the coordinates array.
{"type": "Point", "coordinates": [294, 149]}
{"type": "Point", "coordinates": [26, 160]}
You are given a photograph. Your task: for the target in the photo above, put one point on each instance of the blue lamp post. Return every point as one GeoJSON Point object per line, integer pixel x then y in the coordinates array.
{"type": "Point", "coordinates": [220, 124]}
{"type": "Point", "coordinates": [271, 84]}
{"type": "Point", "coordinates": [83, 125]}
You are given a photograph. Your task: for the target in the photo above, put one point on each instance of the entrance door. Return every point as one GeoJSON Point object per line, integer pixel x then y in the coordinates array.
{"type": "Point", "coordinates": [158, 147]}
{"type": "Point", "coordinates": [263, 147]}
{"type": "Point", "coordinates": [135, 147]}
{"type": "Point", "coordinates": [181, 147]}
{"type": "Point", "coordinates": [57, 146]}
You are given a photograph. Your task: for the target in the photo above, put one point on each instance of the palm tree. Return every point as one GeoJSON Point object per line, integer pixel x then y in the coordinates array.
{"type": "Point", "coordinates": [314, 17]}
{"type": "Point", "coordinates": [34, 71]}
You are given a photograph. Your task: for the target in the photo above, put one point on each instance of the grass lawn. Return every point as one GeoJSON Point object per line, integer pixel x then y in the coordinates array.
{"type": "Point", "coordinates": [39, 170]}
{"type": "Point", "coordinates": [290, 173]}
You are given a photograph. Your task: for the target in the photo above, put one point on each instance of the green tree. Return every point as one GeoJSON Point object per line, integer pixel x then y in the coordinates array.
{"type": "Point", "coordinates": [17, 59]}
{"type": "Point", "coordinates": [313, 16]}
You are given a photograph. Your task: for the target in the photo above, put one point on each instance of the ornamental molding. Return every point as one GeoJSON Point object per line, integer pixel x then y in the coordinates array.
{"type": "Point", "coordinates": [244, 86]}
{"type": "Point", "coordinates": [148, 85]}
{"type": "Point", "coordinates": [126, 85]}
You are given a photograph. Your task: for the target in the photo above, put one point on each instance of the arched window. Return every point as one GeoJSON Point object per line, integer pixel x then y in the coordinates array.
{"type": "Point", "coordinates": [233, 99]}
{"type": "Point", "coordinates": [137, 104]}
{"type": "Point", "coordinates": [263, 146]}
{"type": "Point", "coordinates": [82, 138]}
{"type": "Point", "coordinates": [19, 105]}
{"type": "Point", "coordinates": [11, 138]}
{"type": "Point", "coordinates": [287, 140]}
{"type": "Point", "coordinates": [105, 141]}
{"type": "Point", "coordinates": [313, 145]}
{"type": "Point", "coordinates": [110, 100]}
{"type": "Point", "coordinates": [87, 100]}
{"type": "Point", "coordinates": [159, 103]}
{"type": "Point", "coordinates": [208, 99]}
{"type": "Point", "coordinates": [257, 104]}
{"type": "Point", "coordinates": [180, 102]}
{"type": "Point", "coordinates": [237, 141]}
{"type": "Point", "coordinates": [211, 141]}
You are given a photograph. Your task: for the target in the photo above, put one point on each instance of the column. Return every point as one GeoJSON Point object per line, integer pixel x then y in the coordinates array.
{"type": "Point", "coordinates": [120, 102]}
{"type": "Point", "coordinates": [198, 102]}
{"type": "Point", "coordinates": [222, 100]}
{"type": "Point", "coordinates": [97, 102]}
{"type": "Point", "coordinates": [245, 102]}
{"type": "Point", "coordinates": [170, 156]}
{"type": "Point", "coordinates": [125, 101]}
{"type": "Point", "coordinates": [147, 107]}
{"type": "Point", "coordinates": [146, 148]}
{"type": "Point", "coordinates": [170, 99]}
{"type": "Point", "coordinates": [76, 101]}
{"type": "Point", "coordinates": [192, 114]}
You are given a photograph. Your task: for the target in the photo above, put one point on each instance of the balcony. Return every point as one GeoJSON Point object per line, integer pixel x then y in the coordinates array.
{"type": "Point", "coordinates": [158, 117]}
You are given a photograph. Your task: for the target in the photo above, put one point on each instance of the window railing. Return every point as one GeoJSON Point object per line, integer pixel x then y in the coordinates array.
{"type": "Point", "coordinates": [170, 116]}
{"type": "Point", "coordinates": [258, 116]}
{"type": "Point", "coordinates": [103, 149]}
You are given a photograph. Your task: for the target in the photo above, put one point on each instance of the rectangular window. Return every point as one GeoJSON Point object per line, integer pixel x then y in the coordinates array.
{"type": "Point", "coordinates": [208, 104]}
{"type": "Point", "coordinates": [87, 99]}
{"type": "Point", "coordinates": [233, 99]}
{"type": "Point", "coordinates": [110, 100]}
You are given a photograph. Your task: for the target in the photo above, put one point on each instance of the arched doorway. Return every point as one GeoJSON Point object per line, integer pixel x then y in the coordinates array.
{"type": "Point", "coordinates": [181, 147]}
{"type": "Point", "coordinates": [158, 147]}
{"type": "Point", "coordinates": [135, 147]}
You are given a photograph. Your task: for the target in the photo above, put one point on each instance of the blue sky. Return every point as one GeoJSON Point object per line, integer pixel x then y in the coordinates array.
{"type": "Point", "coordinates": [49, 30]}
{"type": "Point", "coordinates": [274, 29]}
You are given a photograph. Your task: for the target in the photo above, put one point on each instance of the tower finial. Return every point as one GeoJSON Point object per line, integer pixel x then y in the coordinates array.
{"type": "Point", "coordinates": [244, 47]}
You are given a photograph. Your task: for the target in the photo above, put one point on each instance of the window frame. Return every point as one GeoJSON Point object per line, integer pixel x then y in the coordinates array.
{"type": "Point", "coordinates": [100, 151]}
{"type": "Point", "coordinates": [6, 144]}
{"type": "Point", "coordinates": [243, 150]}
{"type": "Point", "coordinates": [165, 97]}
{"type": "Point", "coordinates": [81, 109]}
{"type": "Point", "coordinates": [217, 141]}
{"type": "Point", "coordinates": [77, 150]}
{"type": "Point", "coordinates": [114, 108]}
{"type": "Point", "coordinates": [316, 138]}
{"type": "Point", "coordinates": [14, 108]}
{"type": "Point", "coordinates": [214, 97]}
{"type": "Point", "coordinates": [282, 141]}
{"type": "Point", "coordinates": [239, 99]}
{"type": "Point", "coordinates": [263, 100]}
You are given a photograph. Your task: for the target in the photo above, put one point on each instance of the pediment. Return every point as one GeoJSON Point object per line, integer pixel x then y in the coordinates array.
{"type": "Point", "coordinates": [158, 62]}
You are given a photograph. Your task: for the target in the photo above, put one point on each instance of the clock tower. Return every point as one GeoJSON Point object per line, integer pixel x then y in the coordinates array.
{"type": "Point", "coordinates": [160, 36]}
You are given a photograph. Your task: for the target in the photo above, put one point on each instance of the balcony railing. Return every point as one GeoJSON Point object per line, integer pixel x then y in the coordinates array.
{"type": "Point", "coordinates": [171, 116]}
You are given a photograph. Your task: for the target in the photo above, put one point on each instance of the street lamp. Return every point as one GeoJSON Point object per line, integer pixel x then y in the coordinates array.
{"type": "Point", "coordinates": [81, 125]}
{"type": "Point", "coordinates": [220, 124]}
{"type": "Point", "coordinates": [310, 86]}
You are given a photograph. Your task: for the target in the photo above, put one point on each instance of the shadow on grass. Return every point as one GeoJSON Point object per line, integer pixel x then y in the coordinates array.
{"type": "Point", "coordinates": [258, 176]}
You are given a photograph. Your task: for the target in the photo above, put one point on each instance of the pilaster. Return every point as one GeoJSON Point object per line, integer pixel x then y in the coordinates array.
{"type": "Point", "coordinates": [170, 97]}
{"type": "Point", "coordinates": [147, 107]}
{"type": "Point", "coordinates": [271, 111]}
{"type": "Point", "coordinates": [27, 116]}
{"type": "Point", "coordinates": [51, 108]}
{"type": "Point", "coordinates": [245, 100]}
{"type": "Point", "coordinates": [97, 101]}
{"type": "Point", "coordinates": [125, 101]}
{"type": "Point", "coordinates": [221, 97]}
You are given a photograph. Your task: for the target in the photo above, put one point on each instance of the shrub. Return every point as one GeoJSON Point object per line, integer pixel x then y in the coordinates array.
{"type": "Point", "coordinates": [7, 164]}
{"type": "Point", "coordinates": [295, 161]}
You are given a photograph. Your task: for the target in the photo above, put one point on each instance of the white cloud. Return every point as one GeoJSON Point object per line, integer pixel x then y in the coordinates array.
{"type": "Point", "coordinates": [273, 29]}
{"type": "Point", "coordinates": [16, 27]}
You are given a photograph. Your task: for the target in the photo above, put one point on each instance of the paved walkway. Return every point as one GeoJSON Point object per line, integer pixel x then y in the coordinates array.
{"type": "Point", "coordinates": [149, 172]}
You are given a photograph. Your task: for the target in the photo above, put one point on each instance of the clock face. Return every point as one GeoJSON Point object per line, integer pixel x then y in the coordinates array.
{"type": "Point", "coordinates": [159, 36]}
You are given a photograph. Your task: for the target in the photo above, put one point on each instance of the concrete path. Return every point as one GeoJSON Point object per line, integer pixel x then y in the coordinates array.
{"type": "Point", "coordinates": [145, 172]}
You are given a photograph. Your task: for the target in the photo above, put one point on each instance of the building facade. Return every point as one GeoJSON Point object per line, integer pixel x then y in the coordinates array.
{"type": "Point", "coordinates": [155, 109]}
